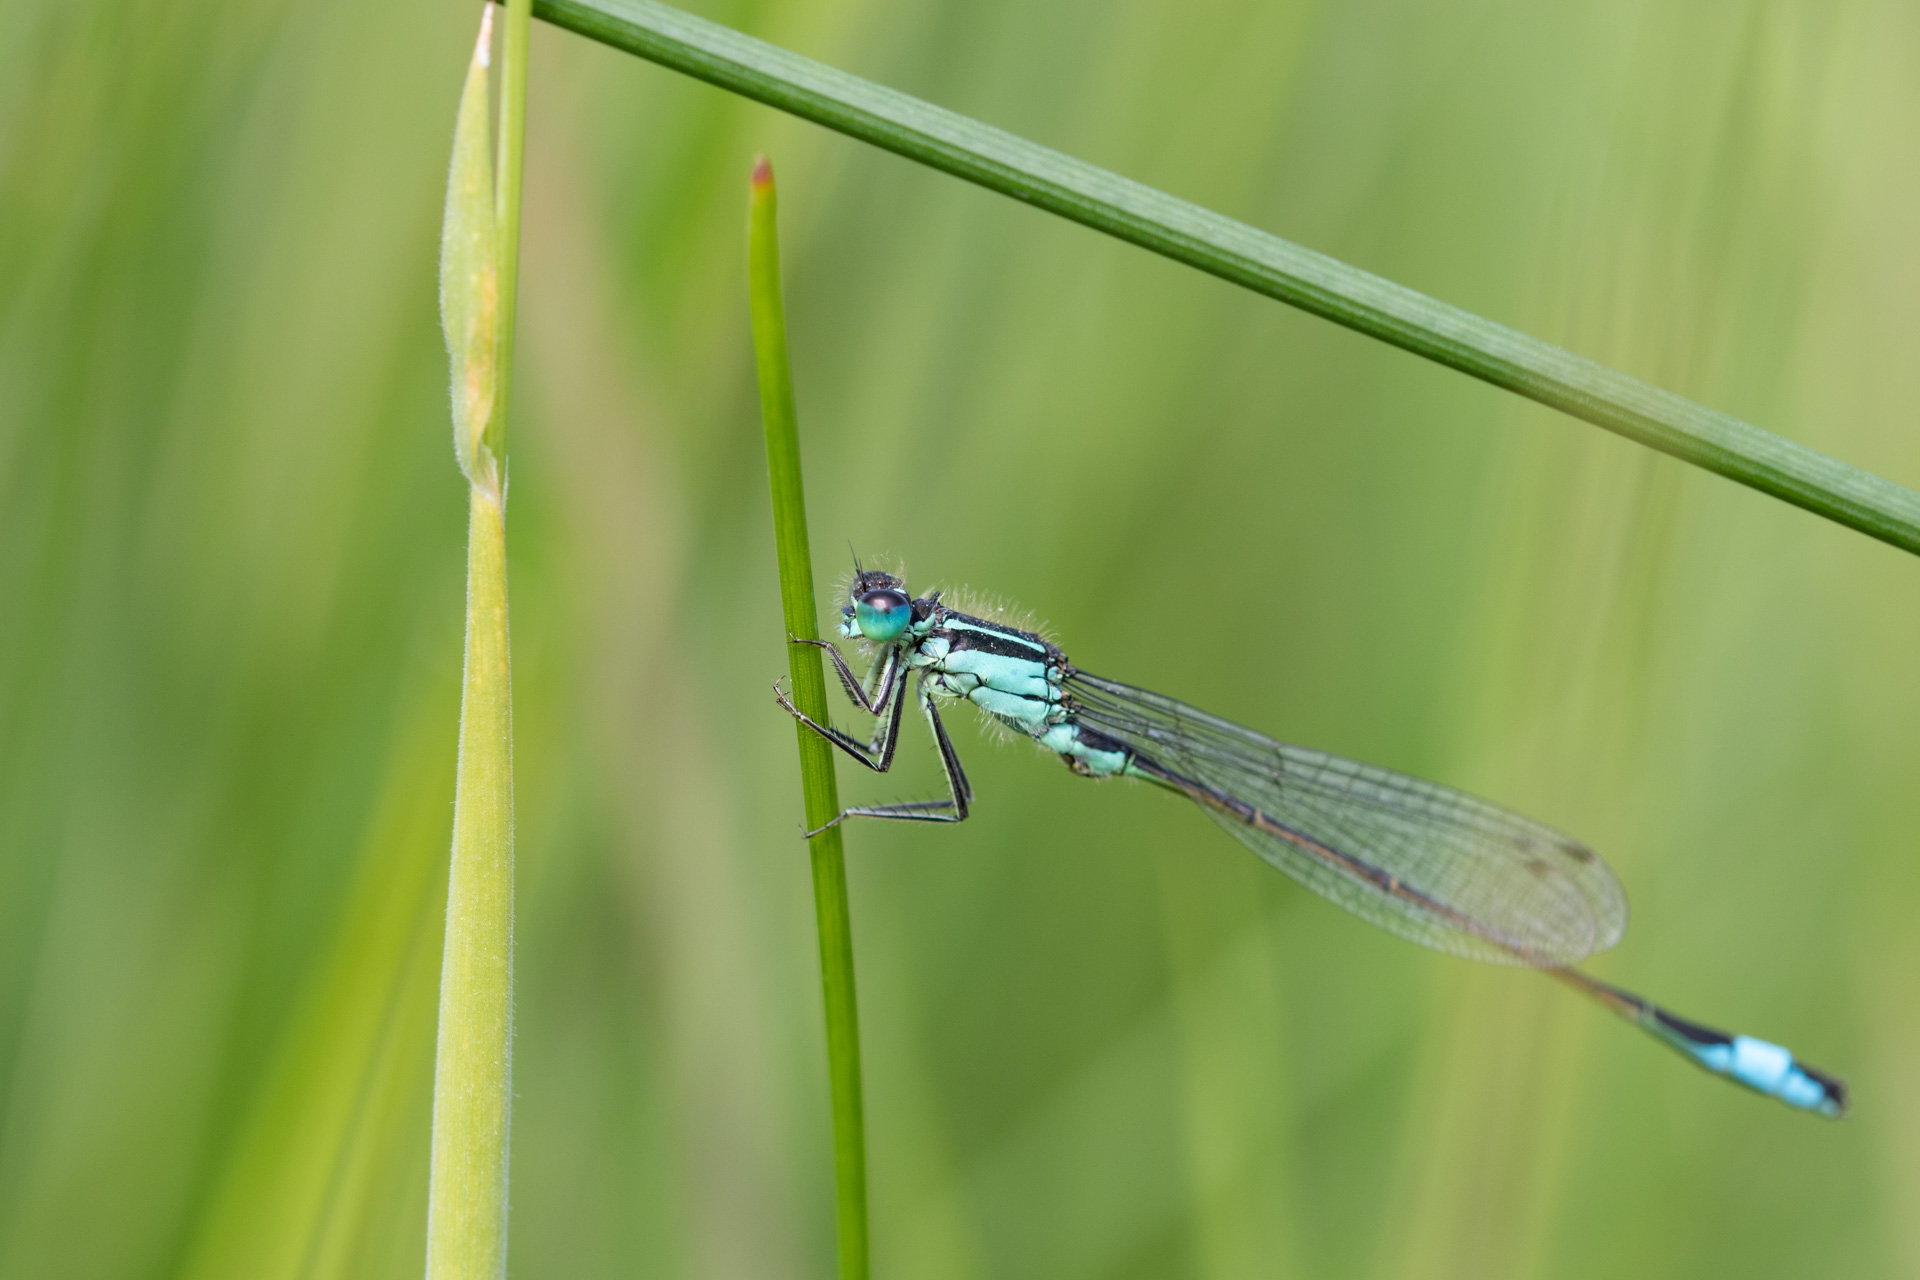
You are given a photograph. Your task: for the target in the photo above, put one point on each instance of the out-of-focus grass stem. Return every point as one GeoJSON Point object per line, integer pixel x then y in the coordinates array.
{"type": "Point", "coordinates": [810, 695]}
{"type": "Point", "coordinates": [473, 1075]}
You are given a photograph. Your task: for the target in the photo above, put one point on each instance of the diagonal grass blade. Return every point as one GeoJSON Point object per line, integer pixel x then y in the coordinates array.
{"type": "Point", "coordinates": [1247, 256]}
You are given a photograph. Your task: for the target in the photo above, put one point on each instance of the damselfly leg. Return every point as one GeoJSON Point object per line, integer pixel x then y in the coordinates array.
{"type": "Point", "coordinates": [889, 701]}
{"type": "Point", "coordinates": [876, 754]}
{"type": "Point", "coordinates": [885, 676]}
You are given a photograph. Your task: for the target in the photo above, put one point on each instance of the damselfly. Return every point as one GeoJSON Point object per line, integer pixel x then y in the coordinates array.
{"type": "Point", "coordinates": [1429, 863]}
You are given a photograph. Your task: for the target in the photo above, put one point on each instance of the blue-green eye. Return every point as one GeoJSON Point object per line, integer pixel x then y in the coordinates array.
{"type": "Point", "coordinates": [883, 615]}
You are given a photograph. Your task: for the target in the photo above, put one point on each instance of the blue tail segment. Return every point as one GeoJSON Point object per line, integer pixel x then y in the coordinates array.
{"type": "Point", "coordinates": [1763, 1067]}
{"type": "Point", "coordinates": [1760, 1066]}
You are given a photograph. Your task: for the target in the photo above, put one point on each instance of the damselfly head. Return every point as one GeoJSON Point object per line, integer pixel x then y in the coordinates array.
{"type": "Point", "coordinates": [878, 607]}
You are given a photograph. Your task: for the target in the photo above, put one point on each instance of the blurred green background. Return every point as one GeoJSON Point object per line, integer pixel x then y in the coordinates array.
{"type": "Point", "coordinates": [1101, 1040]}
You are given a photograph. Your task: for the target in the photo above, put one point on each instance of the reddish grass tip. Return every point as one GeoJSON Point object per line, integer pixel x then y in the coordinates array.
{"type": "Point", "coordinates": [762, 173]}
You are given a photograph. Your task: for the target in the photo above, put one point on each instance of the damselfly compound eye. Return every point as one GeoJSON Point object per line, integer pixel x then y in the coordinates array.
{"type": "Point", "coordinates": [882, 615]}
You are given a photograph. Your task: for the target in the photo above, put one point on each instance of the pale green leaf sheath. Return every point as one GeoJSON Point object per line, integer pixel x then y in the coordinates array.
{"type": "Point", "coordinates": [467, 1203]}
{"type": "Point", "coordinates": [472, 1098]}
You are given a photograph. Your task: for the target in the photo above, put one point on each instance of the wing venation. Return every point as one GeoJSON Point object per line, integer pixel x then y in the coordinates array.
{"type": "Point", "coordinates": [1434, 865]}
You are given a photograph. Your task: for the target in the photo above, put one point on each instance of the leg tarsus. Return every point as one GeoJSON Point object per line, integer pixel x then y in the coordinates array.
{"type": "Point", "coordinates": [954, 809]}
{"type": "Point", "coordinates": [910, 811]}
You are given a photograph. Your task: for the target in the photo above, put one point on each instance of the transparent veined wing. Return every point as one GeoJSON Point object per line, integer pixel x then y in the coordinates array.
{"type": "Point", "coordinates": [1434, 865]}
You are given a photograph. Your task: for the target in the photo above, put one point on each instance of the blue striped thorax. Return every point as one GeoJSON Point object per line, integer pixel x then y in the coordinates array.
{"type": "Point", "coordinates": [1014, 676]}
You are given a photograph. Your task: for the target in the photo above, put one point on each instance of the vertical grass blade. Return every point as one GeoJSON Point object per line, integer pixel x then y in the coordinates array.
{"type": "Point", "coordinates": [473, 1063]}
{"type": "Point", "coordinates": [810, 695]}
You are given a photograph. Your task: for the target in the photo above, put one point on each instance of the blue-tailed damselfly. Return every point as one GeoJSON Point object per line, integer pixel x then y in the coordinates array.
{"type": "Point", "coordinates": [1429, 863]}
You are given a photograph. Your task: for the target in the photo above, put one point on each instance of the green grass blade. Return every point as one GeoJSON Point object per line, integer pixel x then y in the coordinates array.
{"type": "Point", "coordinates": [1250, 257]}
{"type": "Point", "coordinates": [810, 695]}
{"type": "Point", "coordinates": [473, 1063]}
{"type": "Point", "coordinates": [513, 147]}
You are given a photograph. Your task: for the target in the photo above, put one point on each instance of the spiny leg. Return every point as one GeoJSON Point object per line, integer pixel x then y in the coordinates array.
{"type": "Point", "coordinates": [953, 810]}
{"type": "Point", "coordinates": [949, 758]}
{"type": "Point", "coordinates": [887, 669]}
{"type": "Point", "coordinates": [877, 754]}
